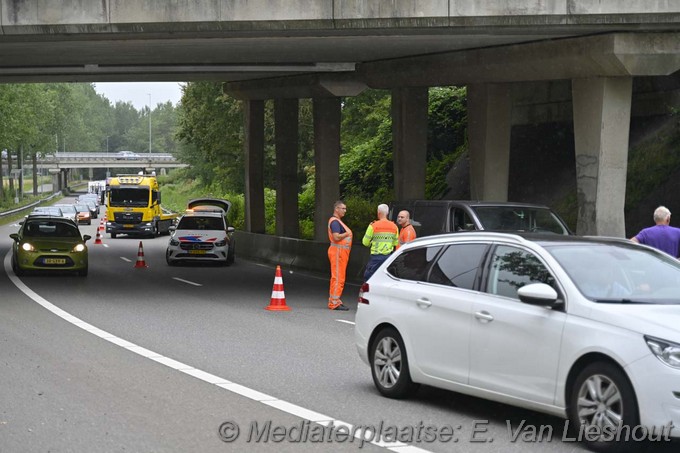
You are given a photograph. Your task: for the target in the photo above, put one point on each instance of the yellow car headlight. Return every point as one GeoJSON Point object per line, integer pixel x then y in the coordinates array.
{"type": "Point", "coordinates": [28, 247]}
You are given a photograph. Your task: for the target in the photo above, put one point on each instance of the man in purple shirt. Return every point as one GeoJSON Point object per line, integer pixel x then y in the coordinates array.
{"type": "Point", "coordinates": [661, 236]}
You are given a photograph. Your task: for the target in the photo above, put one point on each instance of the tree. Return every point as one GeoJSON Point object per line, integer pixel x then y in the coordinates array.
{"type": "Point", "coordinates": [211, 136]}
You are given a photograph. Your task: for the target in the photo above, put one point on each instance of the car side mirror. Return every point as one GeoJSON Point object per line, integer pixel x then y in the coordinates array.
{"type": "Point", "coordinates": [231, 229]}
{"type": "Point", "coordinates": [172, 228]}
{"type": "Point", "coordinates": [538, 294]}
{"type": "Point", "coordinates": [14, 236]}
{"type": "Point", "coordinates": [86, 237]}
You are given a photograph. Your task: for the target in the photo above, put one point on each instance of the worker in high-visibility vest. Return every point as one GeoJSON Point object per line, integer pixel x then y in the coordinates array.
{"type": "Point", "coordinates": [338, 254]}
{"type": "Point", "coordinates": [407, 232]}
{"type": "Point", "coordinates": [382, 236]}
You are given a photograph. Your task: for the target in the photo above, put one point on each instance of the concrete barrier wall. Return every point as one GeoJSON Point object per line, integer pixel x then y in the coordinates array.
{"type": "Point", "coordinates": [297, 254]}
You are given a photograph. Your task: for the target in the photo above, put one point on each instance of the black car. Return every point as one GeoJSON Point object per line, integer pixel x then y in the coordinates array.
{"type": "Point", "coordinates": [449, 216]}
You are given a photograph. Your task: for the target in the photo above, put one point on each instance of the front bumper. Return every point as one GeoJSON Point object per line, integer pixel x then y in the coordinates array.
{"type": "Point", "coordinates": [57, 261]}
{"type": "Point", "coordinates": [657, 387]}
{"type": "Point", "coordinates": [197, 251]}
{"type": "Point", "coordinates": [144, 228]}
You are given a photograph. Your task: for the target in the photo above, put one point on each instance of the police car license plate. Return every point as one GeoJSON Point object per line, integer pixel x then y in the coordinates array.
{"type": "Point", "coordinates": [196, 252]}
{"type": "Point", "coordinates": [54, 261]}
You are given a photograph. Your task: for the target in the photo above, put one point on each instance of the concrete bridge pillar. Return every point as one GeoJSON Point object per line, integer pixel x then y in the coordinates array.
{"type": "Point", "coordinates": [601, 125]}
{"type": "Point", "coordinates": [253, 142]}
{"type": "Point", "coordinates": [409, 141]}
{"type": "Point", "coordinates": [489, 125]}
{"type": "Point", "coordinates": [327, 115]}
{"type": "Point", "coordinates": [286, 140]}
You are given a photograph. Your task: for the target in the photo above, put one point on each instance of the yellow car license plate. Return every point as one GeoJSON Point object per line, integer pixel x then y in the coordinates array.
{"type": "Point", "coordinates": [54, 261]}
{"type": "Point", "coordinates": [128, 225]}
{"type": "Point", "coordinates": [196, 252]}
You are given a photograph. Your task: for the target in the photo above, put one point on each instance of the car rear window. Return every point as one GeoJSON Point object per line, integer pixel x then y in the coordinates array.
{"type": "Point", "coordinates": [413, 264]}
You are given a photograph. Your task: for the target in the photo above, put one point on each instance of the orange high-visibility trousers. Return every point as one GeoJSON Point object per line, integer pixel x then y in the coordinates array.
{"type": "Point", "coordinates": [338, 255]}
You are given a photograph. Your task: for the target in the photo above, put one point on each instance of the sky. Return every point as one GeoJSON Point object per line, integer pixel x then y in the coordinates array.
{"type": "Point", "coordinates": [138, 92]}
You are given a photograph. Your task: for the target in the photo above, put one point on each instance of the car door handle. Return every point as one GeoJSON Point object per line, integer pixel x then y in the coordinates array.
{"type": "Point", "coordinates": [423, 302]}
{"type": "Point", "coordinates": [484, 316]}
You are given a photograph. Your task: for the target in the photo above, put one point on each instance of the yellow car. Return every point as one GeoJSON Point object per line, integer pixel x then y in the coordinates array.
{"type": "Point", "coordinates": [49, 243]}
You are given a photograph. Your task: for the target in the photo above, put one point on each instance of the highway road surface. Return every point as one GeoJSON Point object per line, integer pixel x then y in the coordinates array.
{"type": "Point", "coordinates": [178, 359]}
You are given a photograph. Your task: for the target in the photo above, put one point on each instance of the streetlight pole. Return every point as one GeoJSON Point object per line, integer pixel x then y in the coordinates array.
{"type": "Point", "coordinates": [149, 123]}
{"type": "Point", "coordinates": [107, 156]}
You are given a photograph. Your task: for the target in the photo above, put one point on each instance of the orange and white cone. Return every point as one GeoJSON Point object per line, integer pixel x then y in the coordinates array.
{"type": "Point", "coordinates": [278, 301]}
{"type": "Point", "coordinates": [101, 225]}
{"type": "Point", "coordinates": [140, 257]}
{"type": "Point", "coordinates": [98, 238]}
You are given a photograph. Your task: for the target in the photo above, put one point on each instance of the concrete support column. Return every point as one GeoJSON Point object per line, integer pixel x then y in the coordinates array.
{"type": "Point", "coordinates": [253, 144]}
{"type": "Point", "coordinates": [409, 141]}
{"type": "Point", "coordinates": [489, 126]}
{"type": "Point", "coordinates": [601, 126]}
{"type": "Point", "coordinates": [326, 162]}
{"type": "Point", "coordinates": [286, 139]}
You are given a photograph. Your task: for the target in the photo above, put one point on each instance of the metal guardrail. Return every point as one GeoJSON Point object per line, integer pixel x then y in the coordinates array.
{"type": "Point", "coordinates": [28, 206]}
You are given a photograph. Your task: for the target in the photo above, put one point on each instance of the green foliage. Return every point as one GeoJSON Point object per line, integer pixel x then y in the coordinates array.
{"type": "Point", "coordinates": [211, 136]}
{"type": "Point", "coordinates": [360, 213]}
{"type": "Point", "coordinates": [366, 168]}
{"type": "Point", "coordinates": [651, 163]}
{"type": "Point", "coordinates": [437, 170]}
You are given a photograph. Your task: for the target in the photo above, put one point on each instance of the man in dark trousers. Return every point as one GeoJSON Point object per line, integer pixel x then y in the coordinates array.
{"type": "Point", "coordinates": [382, 236]}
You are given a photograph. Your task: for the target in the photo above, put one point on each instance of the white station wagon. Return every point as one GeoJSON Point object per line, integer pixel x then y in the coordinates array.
{"type": "Point", "coordinates": [582, 328]}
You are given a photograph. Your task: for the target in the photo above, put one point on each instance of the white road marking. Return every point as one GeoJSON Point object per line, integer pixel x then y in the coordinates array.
{"type": "Point", "coordinates": [345, 321]}
{"type": "Point", "coordinates": [186, 281]}
{"type": "Point", "coordinates": [126, 259]}
{"type": "Point", "coordinates": [284, 406]}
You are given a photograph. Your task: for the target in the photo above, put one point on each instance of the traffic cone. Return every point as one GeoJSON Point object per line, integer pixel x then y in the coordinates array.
{"type": "Point", "coordinates": [98, 238]}
{"type": "Point", "coordinates": [101, 225]}
{"type": "Point", "coordinates": [140, 257]}
{"type": "Point", "coordinates": [278, 301]}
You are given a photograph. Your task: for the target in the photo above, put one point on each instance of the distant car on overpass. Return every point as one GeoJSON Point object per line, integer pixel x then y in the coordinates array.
{"type": "Point", "coordinates": [126, 155]}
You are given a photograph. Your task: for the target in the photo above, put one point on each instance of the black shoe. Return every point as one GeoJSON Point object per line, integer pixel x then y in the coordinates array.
{"type": "Point", "coordinates": [341, 308]}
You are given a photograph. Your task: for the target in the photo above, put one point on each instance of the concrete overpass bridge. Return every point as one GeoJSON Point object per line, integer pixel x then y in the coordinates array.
{"type": "Point", "coordinates": [510, 54]}
{"type": "Point", "coordinates": [60, 164]}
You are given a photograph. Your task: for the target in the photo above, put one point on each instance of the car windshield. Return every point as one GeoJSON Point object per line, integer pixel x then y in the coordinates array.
{"type": "Point", "coordinates": [45, 228]}
{"type": "Point", "coordinates": [620, 273]}
{"type": "Point", "coordinates": [517, 218]}
{"type": "Point", "coordinates": [129, 196]}
{"type": "Point", "coordinates": [200, 223]}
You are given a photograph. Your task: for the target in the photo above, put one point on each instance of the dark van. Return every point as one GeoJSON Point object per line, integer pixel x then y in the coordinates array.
{"type": "Point", "coordinates": [447, 216]}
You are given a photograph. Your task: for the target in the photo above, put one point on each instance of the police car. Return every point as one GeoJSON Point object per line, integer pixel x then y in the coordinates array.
{"type": "Point", "coordinates": [202, 234]}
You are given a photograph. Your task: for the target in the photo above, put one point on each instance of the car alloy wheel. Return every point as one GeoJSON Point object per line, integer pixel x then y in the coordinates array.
{"type": "Point", "coordinates": [604, 399]}
{"type": "Point", "coordinates": [390, 365]}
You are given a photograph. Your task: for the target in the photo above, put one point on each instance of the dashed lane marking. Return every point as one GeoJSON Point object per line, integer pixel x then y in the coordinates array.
{"type": "Point", "coordinates": [186, 281]}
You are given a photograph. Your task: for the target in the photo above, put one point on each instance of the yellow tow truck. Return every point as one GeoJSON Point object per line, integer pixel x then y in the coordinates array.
{"type": "Point", "coordinates": [133, 207]}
